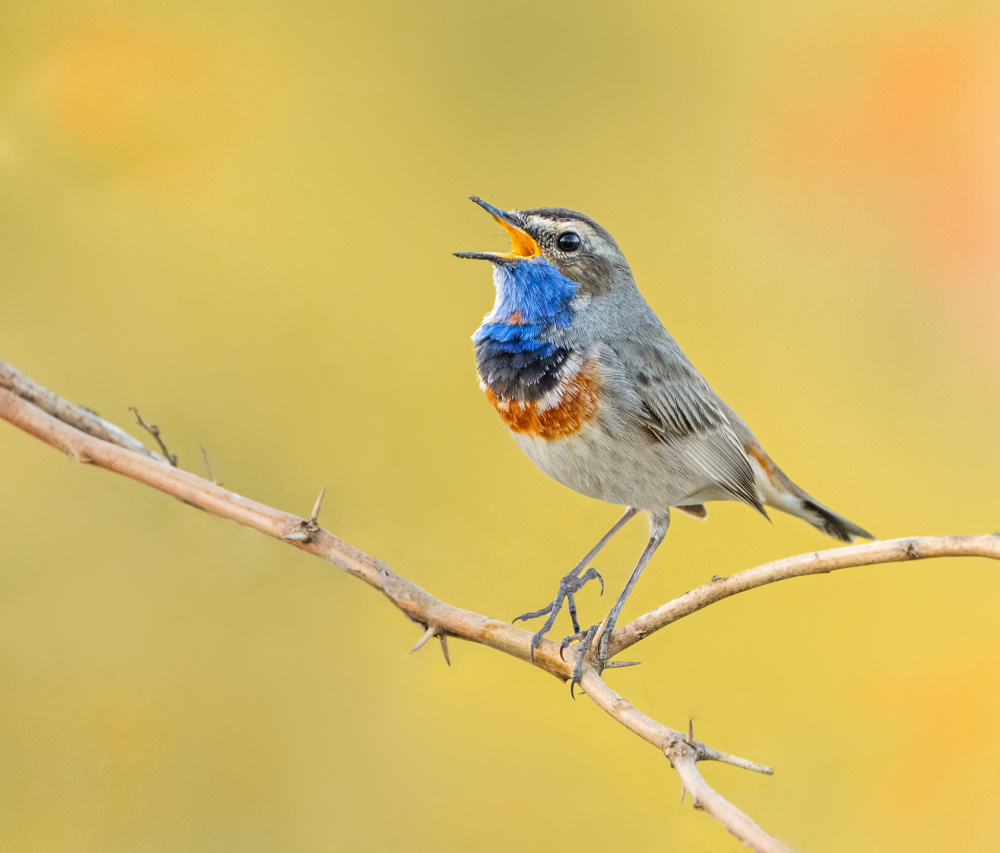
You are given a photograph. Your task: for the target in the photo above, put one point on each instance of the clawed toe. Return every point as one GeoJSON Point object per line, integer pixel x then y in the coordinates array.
{"type": "Point", "coordinates": [573, 582]}
{"type": "Point", "coordinates": [586, 638]}
{"type": "Point", "coordinates": [534, 614]}
{"type": "Point", "coordinates": [570, 584]}
{"type": "Point", "coordinates": [589, 575]}
{"type": "Point", "coordinates": [585, 642]}
{"type": "Point", "coordinates": [565, 641]}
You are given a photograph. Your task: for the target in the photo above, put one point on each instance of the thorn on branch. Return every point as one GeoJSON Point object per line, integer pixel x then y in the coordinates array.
{"type": "Point", "coordinates": [433, 631]}
{"type": "Point", "coordinates": [308, 528]}
{"type": "Point", "coordinates": [690, 734]}
{"type": "Point", "coordinates": [298, 535]}
{"type": "Point", "coordinates": [427, 635]}
{"type": "Point", "coordinates": [154, 431]}
{"type": "Point", "coordinates": [314, 518]}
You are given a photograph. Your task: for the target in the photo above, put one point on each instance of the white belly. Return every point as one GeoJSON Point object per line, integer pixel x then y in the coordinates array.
{"type": "Point", "coordinates": [625, 470]}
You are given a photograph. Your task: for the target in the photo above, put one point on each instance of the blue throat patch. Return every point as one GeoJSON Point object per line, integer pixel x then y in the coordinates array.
{"type": "Point", "coordinates": [513, 359]}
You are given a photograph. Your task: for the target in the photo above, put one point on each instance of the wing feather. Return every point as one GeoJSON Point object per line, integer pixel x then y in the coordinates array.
{"type": "Point", "coordinates": [682, 411]}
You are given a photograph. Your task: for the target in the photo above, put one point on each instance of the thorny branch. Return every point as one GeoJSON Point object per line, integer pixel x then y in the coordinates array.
{"type": "Point", "coordinates": [87, 438]}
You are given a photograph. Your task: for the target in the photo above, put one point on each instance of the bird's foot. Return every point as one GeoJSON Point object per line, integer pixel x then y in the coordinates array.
{"type": "Point", "coordinates": [571, 584]}
{"type": "Point", "coordinates": [600, 660]}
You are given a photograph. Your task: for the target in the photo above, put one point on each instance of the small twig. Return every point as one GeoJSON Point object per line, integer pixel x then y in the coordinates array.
{"type": "Point", "coordinates": [208, 465]}
{"type": "Point", "coordinates": [706, 753]}
{"type": "Point", "coordinates": [154, 431]}
{"type": "Point", "coordinates": [684, 760]}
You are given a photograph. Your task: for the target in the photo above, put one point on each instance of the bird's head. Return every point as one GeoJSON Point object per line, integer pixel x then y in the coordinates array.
{"type": "Point", "coordinates": [578, 248]}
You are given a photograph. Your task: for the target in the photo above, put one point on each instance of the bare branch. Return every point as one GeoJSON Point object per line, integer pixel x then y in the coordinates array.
{"type": "Point", "coordinates": [298, 532]}
{"type": "Point", "coordinates": [818, 562]}
{"type": "Point", "coordinates": [684, 754]}
{"type": "Point", "coordinates": [79, 417]}
{"type": "Point", "coordinates": [89, 439]}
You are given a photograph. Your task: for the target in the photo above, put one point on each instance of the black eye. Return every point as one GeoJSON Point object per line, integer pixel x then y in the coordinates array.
{"type": "Point", "coordinates": [569, 241]}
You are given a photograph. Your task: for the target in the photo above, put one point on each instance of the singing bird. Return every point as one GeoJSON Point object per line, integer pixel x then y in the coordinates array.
{"type": "Point", "coordinates": [600, 397]}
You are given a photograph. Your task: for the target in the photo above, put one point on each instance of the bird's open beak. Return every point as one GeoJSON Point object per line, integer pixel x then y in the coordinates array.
{"type": "Point", "coordinates": [522, 244]}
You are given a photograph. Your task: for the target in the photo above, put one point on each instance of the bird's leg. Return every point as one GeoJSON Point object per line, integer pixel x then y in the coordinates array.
{"type": "Point", "coordinates": [657, 532]}
{"type": "Point", "coordinates": [654, 542]}
{"type": "Point", "coordinates": [571, 584]}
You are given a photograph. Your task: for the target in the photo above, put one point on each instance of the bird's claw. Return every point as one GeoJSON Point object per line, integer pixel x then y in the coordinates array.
{"type": "Point", "coordinates": [565, 641]}
{"type": "Point", "coordinates": [584, 650]}
{"type": "Point", "coordinates": [570, 584]}
{"type": "Point", "coordinates": [600, 660]}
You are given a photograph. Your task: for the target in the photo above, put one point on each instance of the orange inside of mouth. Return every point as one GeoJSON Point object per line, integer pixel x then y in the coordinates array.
{"type": "Point", "coordinates": [522, 245]}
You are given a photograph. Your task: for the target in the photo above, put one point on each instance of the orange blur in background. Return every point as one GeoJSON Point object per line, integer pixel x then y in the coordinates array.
{"type": "Point", "coordinates": [240, 219]}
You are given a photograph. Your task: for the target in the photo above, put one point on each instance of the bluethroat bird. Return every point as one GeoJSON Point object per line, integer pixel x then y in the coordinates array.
{"type": "Point", "coordinates": [601, 398]}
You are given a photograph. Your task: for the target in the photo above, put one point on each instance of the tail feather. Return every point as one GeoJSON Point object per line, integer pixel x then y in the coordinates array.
{"type": "Point", "coordinates": [781, 493]}
{"type": "Point", "coordinates": [829, 522]}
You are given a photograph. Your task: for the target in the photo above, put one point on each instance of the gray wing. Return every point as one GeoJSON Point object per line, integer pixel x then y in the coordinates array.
{"type": "Point", "coordinates": [679, 408]}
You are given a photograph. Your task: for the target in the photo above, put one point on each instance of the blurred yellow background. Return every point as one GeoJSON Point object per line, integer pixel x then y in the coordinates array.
{"type": "Point", "coordinates": [238, 218]}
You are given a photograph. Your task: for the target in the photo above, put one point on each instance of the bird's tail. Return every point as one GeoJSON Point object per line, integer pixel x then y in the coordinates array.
{"type": "Point", "coordinates": [781, 493]}
{"type": "Point", "coordinates": [827, 520]}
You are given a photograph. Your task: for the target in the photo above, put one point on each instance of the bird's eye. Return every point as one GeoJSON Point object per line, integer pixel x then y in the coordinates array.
{"type": "Point", "coordinates": [569, 241]}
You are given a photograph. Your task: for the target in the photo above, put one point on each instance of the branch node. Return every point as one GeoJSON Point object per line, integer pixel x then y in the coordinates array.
{"type": "Point", "coordinates": [297, 536]}
{"type": "Point", "coordinates": [79, 454]}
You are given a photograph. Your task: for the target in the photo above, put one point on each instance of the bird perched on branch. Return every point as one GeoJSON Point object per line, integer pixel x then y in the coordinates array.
{"type": "Point", "coordinates": [601, 398]}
